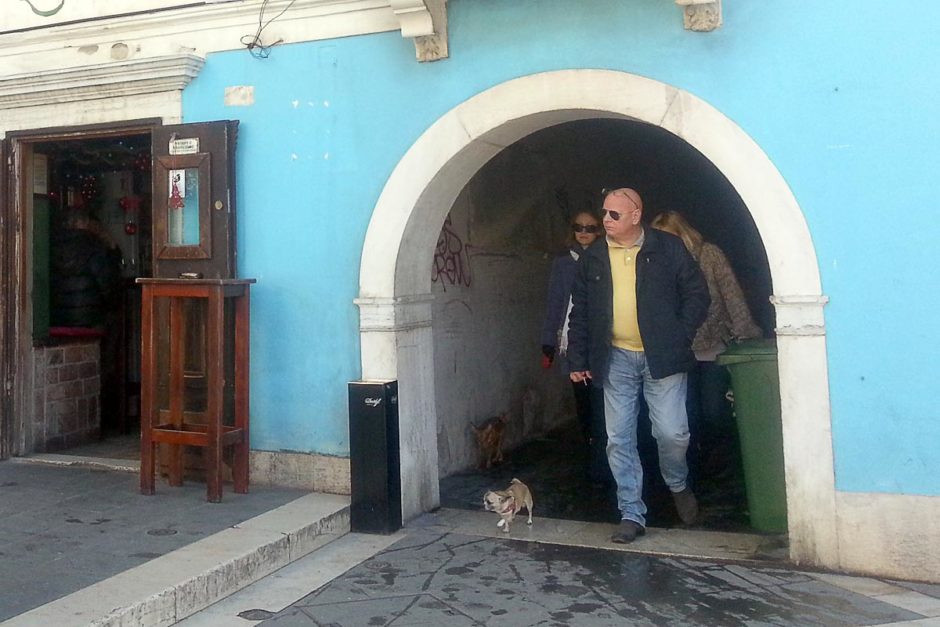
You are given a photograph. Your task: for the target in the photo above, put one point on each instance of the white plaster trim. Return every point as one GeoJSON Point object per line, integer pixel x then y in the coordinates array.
{"type": "Point", "coordinates": [414, 17]}
{"type": "Point", "coordinates": [890, 535]}
{"type": "Point", "coordinates": [426, 22]}
{"type": "Point", "coordinates": [800, 315]}
{"type": "Point", "coordinates": [166, 106]}
{"type": "Point", "coordinates": [110, 80]}
{"type": "Point", "coordinates": [201, 30]}
{"type": "Point", "coordinates": [241, 15]}
{"type": "Point", "coordinates": [497, 117]}
{"type": "Point", "coordinates": [307, 471]}
{"type": "Point", "coordinates": [394, 314]}
{"type": "Point", "coordinates": [434, 46]}
{"type": "Point", "coordinates": [427, 180]}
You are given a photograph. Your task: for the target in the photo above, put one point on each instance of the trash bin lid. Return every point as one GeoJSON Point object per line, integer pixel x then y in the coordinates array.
{"type": "Point", "coordinates": [760, 349]}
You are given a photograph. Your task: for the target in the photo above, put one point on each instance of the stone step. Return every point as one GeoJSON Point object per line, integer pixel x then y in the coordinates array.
{"type": "Point", "coordinates": [169, 588]}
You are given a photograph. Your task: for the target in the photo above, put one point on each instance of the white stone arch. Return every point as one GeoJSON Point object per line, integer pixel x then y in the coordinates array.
{"type": "Point", "coordinates": [395, 281]}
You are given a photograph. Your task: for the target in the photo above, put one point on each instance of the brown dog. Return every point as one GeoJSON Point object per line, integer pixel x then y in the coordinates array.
{"type": "Point", "coordinates": [507, 503]}
{"type": "Point", "coordinates": [490, 438]}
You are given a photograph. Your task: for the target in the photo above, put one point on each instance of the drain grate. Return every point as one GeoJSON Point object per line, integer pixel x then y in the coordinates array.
{"type": "Point", "coordinates": [255, 614]}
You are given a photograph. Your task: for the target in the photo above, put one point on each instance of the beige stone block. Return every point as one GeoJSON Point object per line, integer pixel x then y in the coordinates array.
{"type": "Point", "coordinates": [57, 392]}
{"type": "Point", "coordinates": [90, 352]}
{"type": "Point", "coordinates": [331, 474]}
{"type": "Point", "coordinates": [74, 354]}
{"type": "Point", "coordinates": [67, 372]}
{"type": "Point", "coordinates": [74, 389]}
{"type": "Point", "coordinates": [91, 386]}
{"type": "Point", "coordinates": [63, 415]}
{"type": "Point", "coordinates": [39, 406]}
{"type": "Point", "coordinates": [88, 369]}
{"type": "Point", "coordinates": [294, 470]}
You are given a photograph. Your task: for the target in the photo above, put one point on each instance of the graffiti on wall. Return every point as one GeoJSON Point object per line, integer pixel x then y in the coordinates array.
{"type": "Point", "coordinates": [45, 12]}
{"type": "Point", "coordinates": [451, 263]}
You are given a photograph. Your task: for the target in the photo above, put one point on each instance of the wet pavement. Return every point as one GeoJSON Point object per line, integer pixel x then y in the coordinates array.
{"type": "Point", "coordinates": [65, 528]}
{"type": "Point", "coordinates": [454, 568]}
{"type": "Point", "coordinates": [436, 577]}
{"type": "Point", "coordinates": [555, 469]}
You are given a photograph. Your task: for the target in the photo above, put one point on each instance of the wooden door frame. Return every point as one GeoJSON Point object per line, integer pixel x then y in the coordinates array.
{"type": "Point", "coordinates": [16, 392]}
{"type": "Point", "coordinates": [7, 295]}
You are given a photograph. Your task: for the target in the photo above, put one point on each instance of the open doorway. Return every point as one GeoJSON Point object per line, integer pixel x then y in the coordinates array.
{"type": "Point", "coordinates": [490, 276]}
{"type": "Point", "coordinates": [88, 213]}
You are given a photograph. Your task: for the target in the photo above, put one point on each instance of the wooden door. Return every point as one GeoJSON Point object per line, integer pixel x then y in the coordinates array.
{"type": "Point", "coordinates": [194, 200]}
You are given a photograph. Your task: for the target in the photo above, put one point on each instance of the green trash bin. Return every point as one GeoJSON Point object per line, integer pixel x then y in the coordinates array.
{"type": "Point", "coordinates": [756, 385]}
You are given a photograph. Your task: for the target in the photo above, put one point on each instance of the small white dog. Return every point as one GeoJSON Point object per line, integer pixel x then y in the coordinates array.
{"type": "Point", "coordinates": [509, 502]}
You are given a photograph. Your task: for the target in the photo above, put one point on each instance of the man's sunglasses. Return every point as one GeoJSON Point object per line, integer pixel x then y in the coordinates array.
{"type": "Point", "coordinates": [614, 215]}
{"type": "Point", "coordinates": [585, 228]}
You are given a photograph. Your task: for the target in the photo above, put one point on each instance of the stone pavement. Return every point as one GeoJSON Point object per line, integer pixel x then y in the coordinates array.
{"type": "Point", "coordinates": [77, 543]}
{"type": "Point", "coordinates": [86, 548]}
{"type": "Point", "coordinates": [454, 568]}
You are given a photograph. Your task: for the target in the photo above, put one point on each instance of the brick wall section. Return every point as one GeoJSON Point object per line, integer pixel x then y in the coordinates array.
{"type": "Point", "coordinates": [67, 387]}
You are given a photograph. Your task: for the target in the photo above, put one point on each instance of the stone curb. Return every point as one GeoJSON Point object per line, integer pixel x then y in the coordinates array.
{"type": "Point", "coordinates": [101, 463]}
{"type": "Point", "coordinates": [169, 588]}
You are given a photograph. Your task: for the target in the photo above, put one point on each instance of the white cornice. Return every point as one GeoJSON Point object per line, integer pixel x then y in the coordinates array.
{"type": "Point", "coordinates": [200, 29]}
{"type": "Point", "coordinates": [414, 17]}
{"type": "Point", "coordinates": [244, 14]}
{"type": "Point", "coordinates": [119, 78]}
{"type": "Point", "coordinates": [435, 46]}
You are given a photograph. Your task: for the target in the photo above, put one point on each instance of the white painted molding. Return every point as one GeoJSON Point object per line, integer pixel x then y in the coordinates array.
{"type": "Point", "coordinates": [199, 29]}
{"type": "Point", "coordinates": [109, 80]}
{"type": "Point", "coordinates": [166, 106]}
{"type": "Point", "coordinates": [414, 17]}
{"type": "Point", "coordinates": [890, 535]}
{"type": "Point", "coordinates": [800, 315]}
{"type": "Point", "coordinates": [435, 46]}
{"type": "Point", "coordinates": [701, 15]}
{"type": "Point", "coordinates": [426, 22]}
{"type": "Point", "coordinates": [394, 314]}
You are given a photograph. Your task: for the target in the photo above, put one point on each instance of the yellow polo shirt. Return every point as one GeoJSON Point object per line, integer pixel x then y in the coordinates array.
{"type": "Point", "coordinates": [626, 330]}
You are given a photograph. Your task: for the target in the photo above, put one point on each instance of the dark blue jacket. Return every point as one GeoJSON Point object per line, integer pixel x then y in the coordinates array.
{"type": "Point", "coordinates": [671, 299]}
{"type": "Point", "coordinates": [559, 293]}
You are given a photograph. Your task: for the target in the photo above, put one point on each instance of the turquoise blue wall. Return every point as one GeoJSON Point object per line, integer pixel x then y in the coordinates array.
{"type": "Point", "coordinates": [840, 94]}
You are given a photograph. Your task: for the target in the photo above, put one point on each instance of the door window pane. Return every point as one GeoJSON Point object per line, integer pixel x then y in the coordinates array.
{"type": "Point", "coordinates": [183, 207]}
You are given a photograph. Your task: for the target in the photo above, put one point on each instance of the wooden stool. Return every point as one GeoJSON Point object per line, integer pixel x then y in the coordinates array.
{"type": "Point", "coordinates": [174, 425]}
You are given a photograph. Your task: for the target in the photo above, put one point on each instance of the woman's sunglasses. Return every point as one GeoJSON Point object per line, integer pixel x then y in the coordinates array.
{"type": "Point", "coordinates": [585, 228]}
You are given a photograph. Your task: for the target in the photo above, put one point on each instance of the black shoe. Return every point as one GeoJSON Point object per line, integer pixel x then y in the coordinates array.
{"type": "Point", "coordinates": [686, 505]}
{"type": "Point", "coordinates": [627, 532]}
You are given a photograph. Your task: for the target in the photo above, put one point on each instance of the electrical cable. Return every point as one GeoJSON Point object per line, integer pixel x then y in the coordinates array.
{"type": "Point", "coordinates": [253, 43]}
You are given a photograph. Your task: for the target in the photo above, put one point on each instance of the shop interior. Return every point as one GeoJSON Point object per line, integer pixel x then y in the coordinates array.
{"type": "Point", "coordinates": [90, 241]}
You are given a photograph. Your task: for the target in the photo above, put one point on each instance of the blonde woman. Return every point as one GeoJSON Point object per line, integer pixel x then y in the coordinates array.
{"type": "Point", "coordinates": [729, 319]}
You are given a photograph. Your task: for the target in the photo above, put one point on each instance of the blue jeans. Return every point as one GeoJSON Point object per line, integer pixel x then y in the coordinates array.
{"type": "Point", "coordinates": [627, 376]}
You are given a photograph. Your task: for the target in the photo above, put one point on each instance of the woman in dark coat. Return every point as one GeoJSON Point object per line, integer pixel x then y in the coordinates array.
{"type": "Point", "coordinates": [585, 228]}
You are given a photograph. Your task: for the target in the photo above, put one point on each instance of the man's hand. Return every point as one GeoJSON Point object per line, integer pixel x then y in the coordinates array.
{"type": "Point", "coordinates": [581, 376]}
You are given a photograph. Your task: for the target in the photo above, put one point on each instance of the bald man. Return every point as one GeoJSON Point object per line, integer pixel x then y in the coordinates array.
{"type": "Point", "coordinates": [638, 299]}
